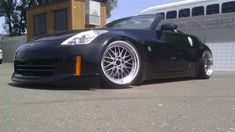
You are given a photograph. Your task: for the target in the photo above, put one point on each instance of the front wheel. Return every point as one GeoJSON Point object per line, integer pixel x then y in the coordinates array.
{"type": "Point", "coordinates": [0, 61]}
{"type": "Point", "coordinates": [206, 65]}
{"type": "Point", "coordinates": [120, 64]}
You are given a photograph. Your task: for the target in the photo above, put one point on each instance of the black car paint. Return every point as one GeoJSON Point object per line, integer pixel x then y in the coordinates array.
{"type": "Point", "coordinates": [166, 59]}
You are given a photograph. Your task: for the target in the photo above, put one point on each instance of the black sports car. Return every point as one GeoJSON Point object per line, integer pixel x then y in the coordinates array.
{"type": "Point", "coordinates": [122, 53]}
{"type": "Point", "coordinates": [0, 54]}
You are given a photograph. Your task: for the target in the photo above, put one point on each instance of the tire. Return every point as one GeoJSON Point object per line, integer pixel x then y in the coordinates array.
{"type": "Point", "coordinates": [0, 61]}
{"type": "Point", "coordinates": [206, 65]}
{"type": "Point", "coordinates": [120, 65]}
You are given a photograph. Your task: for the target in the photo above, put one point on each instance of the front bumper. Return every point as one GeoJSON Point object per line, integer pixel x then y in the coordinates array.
{"type": "Point", "coordinates": [56, 65]}
{"type": "Point", "coordinates": [66, 80]}
{"type": "Point", "coordinates": [48, 71]}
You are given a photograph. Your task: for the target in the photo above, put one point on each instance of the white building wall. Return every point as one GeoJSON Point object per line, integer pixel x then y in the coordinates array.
{"type": "Point", "coordinates": [224, 56]}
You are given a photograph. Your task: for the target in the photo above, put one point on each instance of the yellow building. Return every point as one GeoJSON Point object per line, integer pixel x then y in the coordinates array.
{"type": "Point", "coordinates": [64, 15]}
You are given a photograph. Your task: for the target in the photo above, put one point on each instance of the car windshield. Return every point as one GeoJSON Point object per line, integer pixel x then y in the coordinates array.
{"type": "Point", "coordinates": [136, 22]}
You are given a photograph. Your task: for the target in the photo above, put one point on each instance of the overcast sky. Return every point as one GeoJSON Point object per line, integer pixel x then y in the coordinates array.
{"type": "Point", "coordinates": [125, 8]}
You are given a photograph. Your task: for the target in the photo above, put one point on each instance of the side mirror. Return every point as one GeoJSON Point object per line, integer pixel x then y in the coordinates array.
{"type": "Point", "coordinates": [168, 26]}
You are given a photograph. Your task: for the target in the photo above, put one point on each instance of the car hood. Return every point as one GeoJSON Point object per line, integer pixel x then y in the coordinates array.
{"type": "Point", "coordinates": [57, 36]}
{"type": "Point", "coordinates": [55, 40]}
{"type": "Point", "coordinates": [47, 42]}
{"type": "Point", "coordinates": [51, 40]}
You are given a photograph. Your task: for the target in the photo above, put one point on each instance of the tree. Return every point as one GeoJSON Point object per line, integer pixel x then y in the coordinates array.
{"type": "Point", "coordinates": [7, 8]}
{"type": "Point", "coordinates": [14, 12]}
{"type": "Point", "coordinates": [22, 6]}
{"type": "Point", "coordinates": [111, 4]}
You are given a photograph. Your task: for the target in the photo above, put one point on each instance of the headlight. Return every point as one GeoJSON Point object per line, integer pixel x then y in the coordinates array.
{"type": "Point", "coordinates": [83, 37]}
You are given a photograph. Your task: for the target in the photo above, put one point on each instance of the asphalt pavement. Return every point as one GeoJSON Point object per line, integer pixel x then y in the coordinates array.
{"type": "Point", "coordinates": [182, 105]}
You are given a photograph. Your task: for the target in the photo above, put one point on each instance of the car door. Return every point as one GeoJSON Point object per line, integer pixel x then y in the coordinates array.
{"type": "Point", "coordinates": [172, 52]}
{"type": "Point", "coordinates": [178, 46]}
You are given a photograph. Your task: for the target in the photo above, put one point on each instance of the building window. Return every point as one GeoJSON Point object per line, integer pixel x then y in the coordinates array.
{"type": "Point", "coordinates": [228, 7]}
{"type": "Point", "coordinates": [61, 20]}
{"type": "Point", "coordinates": [212, 9]}
{"type": "Point", "coordinates": [184, 13]}
{"type": "Point", "coordinates": [171, 14]}
{"type": "Point", "coordinates": [40, 24]}
{"type": "Point", "coordinates": [198, 11]}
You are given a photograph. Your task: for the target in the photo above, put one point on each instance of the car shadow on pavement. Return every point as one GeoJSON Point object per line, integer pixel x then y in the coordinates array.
{"type": "Point", "coordinates": [49, 86]}
{"type": "Point", "coordinates": [62, 87]}
{"type": "Point", "coordinates": [93, 87]}
{"type": "Point", "coordinates": [161, 81]}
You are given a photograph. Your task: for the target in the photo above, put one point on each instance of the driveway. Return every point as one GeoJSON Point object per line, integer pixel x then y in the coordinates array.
{"type": "Point", "coordinates": [183, 105]}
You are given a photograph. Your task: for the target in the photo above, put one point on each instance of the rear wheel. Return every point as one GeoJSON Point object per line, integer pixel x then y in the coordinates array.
{"type": "Point", "coordinates": [120, 64]}
{"type": "Point", "coordinates": [0, 61]}
{"type": "Point", "coordinates": [206, 65]}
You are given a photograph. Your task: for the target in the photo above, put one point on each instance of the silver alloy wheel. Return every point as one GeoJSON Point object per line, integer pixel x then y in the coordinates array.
{"type": "Point", "coordinates": [120, 63]}
{"type": "Point", "coordinates": [208, 63]}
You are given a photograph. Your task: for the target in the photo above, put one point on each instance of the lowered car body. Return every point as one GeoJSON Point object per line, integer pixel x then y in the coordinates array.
{"type": "Point", "coordinates": [124, 52]}
{"type": "Point", "coordinates": [1, 56]}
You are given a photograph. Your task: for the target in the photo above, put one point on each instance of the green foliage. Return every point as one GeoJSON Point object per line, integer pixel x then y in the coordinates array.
{"type": "Point", "coordinates": [14, 12]}
{"type": "Point", "coordinates": [111, 4]}
{"type": "Point", "coordinates": [7, 8]}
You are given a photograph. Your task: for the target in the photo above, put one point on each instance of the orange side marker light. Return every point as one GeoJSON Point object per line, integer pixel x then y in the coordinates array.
{"type": "Point", "coordinates": [78, 66]}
